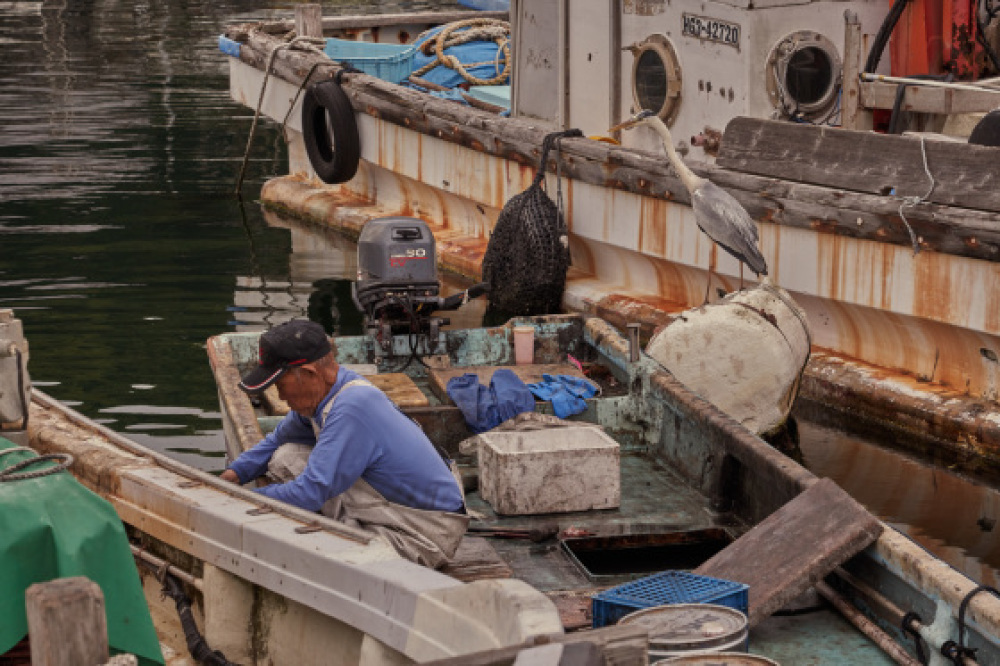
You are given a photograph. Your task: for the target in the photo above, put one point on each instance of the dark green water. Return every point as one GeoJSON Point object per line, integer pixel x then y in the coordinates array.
{"type": "Point", "coordinates": [122, 247]}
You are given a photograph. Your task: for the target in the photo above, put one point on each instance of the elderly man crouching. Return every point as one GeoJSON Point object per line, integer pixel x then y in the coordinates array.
{"type": "Point", "coordinates": [345, 449]}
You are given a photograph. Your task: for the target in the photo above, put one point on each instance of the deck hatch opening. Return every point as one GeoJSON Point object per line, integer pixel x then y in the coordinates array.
{"type": "Point", "coordinates": [627, 556]}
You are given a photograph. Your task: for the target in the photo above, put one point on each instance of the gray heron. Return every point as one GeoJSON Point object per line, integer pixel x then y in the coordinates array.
{"type": "Point", "coordinates": [721, 217]}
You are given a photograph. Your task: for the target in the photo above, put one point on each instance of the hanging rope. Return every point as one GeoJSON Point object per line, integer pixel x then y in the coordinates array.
{"type": "Point", "coordinates": [913, 201]}
{"type": "Point", "coordinates": [462, 32]}
{"type": "Point", "coordinates": [311, 44]}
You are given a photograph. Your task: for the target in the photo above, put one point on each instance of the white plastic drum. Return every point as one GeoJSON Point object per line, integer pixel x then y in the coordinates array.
{"type": "Point", "coordinates": [682, 629]}
{"type": "Point", "coordinates": [718, 659]}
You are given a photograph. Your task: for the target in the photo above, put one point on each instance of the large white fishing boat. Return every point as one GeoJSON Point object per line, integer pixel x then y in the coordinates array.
{"type": "Point", "coordinates": [887, 241]}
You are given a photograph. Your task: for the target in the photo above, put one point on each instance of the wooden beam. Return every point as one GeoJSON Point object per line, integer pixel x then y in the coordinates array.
{"type": "Point", "coordinates": [66, 622]}
{"type": "Point", "coordinates": [926, 99]}
{"type": "Point", "coordinates": [850, 103]}
{"type": "Point", "coordinates": [309, 20]}
{"type": "Point", "coordinates": [964, 175]}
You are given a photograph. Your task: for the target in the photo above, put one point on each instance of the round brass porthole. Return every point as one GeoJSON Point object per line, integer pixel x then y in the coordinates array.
{"type": "Point", "coordinates": [656, 77]}
{"type": "Point", "coordinates": [803, 76]}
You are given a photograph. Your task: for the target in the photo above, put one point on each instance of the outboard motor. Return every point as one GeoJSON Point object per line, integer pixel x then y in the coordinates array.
{"type": "Point", "coordinates": [397, 287]}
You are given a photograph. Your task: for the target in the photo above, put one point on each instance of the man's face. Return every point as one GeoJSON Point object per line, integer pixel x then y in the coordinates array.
{"type": "Point", "coordinates": [302, 388]}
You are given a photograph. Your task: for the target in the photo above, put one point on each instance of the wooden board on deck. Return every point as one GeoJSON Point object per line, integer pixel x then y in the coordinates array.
{"type": "Point", "coordinates": [526, 373]}
{"type": "Point", "coordinates": [794, 547]}
{"type": "Point", "coordinates": [398, 386]}
{"type": "Point", "coordinates": [575, 608]}
{"type": "Point", "coordinates": [476, 559]}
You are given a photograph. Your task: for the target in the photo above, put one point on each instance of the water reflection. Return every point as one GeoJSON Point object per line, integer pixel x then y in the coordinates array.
{"type": "Point", "coordinates": [322, 265]}
{"type": "Point", "coordinates": [120, 243]}
{"type": "Point", "coordinates": [946, 513]}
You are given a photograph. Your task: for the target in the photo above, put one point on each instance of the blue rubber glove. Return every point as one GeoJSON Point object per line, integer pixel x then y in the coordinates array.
{"type": "Point", "coordinates": [566, 393]}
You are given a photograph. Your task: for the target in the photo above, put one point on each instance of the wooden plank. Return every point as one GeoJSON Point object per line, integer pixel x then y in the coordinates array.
{"type": "Point", "coordinates": [626, 644]}
{"type": "Point", "coordinates": [965, 175]}
{"type": "Point", "coordinates": [927, 99]}
{"type": "Point", "coordinates": [400, 389]}
{"type": "Point", "coordinates": [309, 20]}
{"type": "Point", "coordinates": [526, 373]}
{"type": "Point", "coordinates": [575, 608]}
{"type": "Point", "coordinates": [796, 546]}
{"type": "Point", "coordinates": [66, 622]}
{"type": "Point", "coordinates": [477, 559]}
{"type": "Point", "coordinates": [398, 386]}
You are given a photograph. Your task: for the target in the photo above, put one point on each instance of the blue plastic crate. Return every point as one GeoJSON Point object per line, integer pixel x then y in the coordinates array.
{"type": "Point", "coordinates": [389, 62]}
{"type": "Point", "coordinates": [668, 587]}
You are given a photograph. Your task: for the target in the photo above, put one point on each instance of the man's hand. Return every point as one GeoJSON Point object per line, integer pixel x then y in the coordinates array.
{"type": "Point", "coordinates": [229, 475]}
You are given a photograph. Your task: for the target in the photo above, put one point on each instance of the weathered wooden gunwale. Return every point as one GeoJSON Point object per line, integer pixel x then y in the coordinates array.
{"type": "Point", "coordinates": [825, 208]}
{"type": "Point", "coordinates": [269, 570]}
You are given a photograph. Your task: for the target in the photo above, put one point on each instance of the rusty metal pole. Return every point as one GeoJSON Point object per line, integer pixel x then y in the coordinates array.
{"type": "Point", "coordinates": [893, 649]}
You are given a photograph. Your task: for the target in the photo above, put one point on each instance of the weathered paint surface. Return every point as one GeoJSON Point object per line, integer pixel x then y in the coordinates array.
{"type": "Point", "coordinates": [334, 585]}
{"type": "Point", "coordinates": [929, 314]}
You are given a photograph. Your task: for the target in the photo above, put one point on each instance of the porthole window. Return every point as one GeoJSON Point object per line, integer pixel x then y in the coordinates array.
{"type": "Point", "coordinates": [804, 73]}
{"type": "Point", "coordinates": [656, 77]}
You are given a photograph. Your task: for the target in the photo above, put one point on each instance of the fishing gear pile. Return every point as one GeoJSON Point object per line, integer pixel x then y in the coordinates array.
{"type": "Point", "coordinates": [528, 253]}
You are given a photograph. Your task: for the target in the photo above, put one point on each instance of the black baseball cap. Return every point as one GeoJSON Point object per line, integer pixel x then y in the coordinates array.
{"type": "Point", "coordinates": [285, 346]}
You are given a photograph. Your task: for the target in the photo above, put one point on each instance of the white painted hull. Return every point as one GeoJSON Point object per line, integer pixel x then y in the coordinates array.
{"type": "Point", "coordinates": [927, 315]}
{"type": "Point", "coordinates": [272, 594]}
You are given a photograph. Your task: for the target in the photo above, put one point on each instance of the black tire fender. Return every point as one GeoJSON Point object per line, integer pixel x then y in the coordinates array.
{"type": "Point", "coordinates": [330, 133]}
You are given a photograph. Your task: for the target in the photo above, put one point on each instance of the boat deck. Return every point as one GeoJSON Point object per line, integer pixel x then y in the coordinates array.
{"type": "Point", "coordinates": [656, 502]}
{"type": "Point", "coordinates": [662, 522]}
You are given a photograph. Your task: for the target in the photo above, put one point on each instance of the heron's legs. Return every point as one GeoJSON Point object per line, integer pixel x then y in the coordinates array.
{"type": "Point", "coordinates": [741, 276]}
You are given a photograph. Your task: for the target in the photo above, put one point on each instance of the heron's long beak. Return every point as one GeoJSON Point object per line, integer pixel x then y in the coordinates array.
{"type": "Point", "coordinates": [631, 122]}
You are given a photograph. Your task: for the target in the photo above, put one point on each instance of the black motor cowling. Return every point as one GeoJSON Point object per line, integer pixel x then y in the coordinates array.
{"type": "Point", "coordinates": [397, 286]}
{"type": "Point", "coordinates": [396, 261]}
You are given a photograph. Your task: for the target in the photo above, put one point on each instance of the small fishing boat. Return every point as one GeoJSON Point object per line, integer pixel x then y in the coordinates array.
{"type": "Point", "coordinates": [691, 481]}
{"type": "Point", "coordinates": [264, 582]}
{"type": "Point", "coordinates": [888, 241]}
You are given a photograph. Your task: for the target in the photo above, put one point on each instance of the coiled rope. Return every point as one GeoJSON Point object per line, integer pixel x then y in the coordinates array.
{"type": "Point", "coordinates": [14, 473]}
{"type": "Point", "coordinates": [472, 30]}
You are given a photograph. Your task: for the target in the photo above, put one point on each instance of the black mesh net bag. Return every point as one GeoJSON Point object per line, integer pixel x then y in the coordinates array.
{"type": "Point", "coordinates": [528, 252]}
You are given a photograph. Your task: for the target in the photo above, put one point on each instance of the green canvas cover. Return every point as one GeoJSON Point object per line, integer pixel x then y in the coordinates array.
{"type": "Point", "coordinates": [52, 527]}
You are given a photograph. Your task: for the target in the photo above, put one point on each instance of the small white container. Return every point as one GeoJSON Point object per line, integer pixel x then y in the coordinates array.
{"type": "Point", "coordinates": [524, 345]}
{"type": "Point", "coordinates": [573, 468]}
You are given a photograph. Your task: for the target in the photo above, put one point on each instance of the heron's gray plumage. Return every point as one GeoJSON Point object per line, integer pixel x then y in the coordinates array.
{"type": "Point", "coordinates": [720, 216]}
{"type": "Point", "coordinates": [726, 222]}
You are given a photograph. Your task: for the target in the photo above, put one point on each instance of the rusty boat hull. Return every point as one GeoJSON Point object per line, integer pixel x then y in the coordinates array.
{"type": "Point", "coordinates": [910, 340]}
{"type": "Point", "coordinates": [685, 466]}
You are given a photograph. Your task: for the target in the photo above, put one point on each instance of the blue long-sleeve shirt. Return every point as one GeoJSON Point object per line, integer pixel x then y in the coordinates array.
{"type": "Point", "coordinates": [363, 436]}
